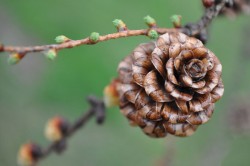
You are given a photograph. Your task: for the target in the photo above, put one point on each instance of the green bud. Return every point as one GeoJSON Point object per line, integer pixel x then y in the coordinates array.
{"type": "Point", "coordinates": [94, 37]}
{"type": "Point", "coordinates": [61, 39]}
{"type": "Point", "coordinates": [15, 58]}
{"type": "Point", "coordinates": [150, 21]}
{"type": "Point", "coordinates": [51, 54]}
{"type": "Point", "coordinates": [176, 20]}
{"type": "Point", "coordinates": [120, 25]}
{"type": "Point", "coordinates": [117, 22]}
{"type": "Point", "coordinates": [153, 34]}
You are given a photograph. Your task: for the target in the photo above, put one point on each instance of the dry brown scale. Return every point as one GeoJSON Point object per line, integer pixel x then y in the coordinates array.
{"type": "Point", "coordinates": [169, 86]}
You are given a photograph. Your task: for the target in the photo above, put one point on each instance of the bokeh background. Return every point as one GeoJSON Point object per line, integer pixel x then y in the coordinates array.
{"type": "Point", "coordinates": [37, 89]}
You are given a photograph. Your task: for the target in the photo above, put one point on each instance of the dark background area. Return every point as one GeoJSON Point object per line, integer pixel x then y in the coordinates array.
{"type": "Point", "coordinates": [37, 89]}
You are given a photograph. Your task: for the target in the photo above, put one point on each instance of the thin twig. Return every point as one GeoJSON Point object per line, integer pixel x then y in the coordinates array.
{"type": "Point", "coordinates": [210, 13]}
{"type": "Point", "coordinates": [97, 110]}
{"type": "Point", "coordinates": [192, 29]}
{"type": "Point", "coordinates": [74, 43]}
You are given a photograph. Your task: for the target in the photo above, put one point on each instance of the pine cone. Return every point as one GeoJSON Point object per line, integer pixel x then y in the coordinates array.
{"type": "Point", "coordinates": [170, 86]}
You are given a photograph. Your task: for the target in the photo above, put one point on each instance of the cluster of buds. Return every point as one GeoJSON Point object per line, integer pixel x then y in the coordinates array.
{"type": "Point", "coordinates": [151, 23]}
{"type": "Point", "coordinates": [52, 51]}
{"type": "Point", "coordinates": [55, 131]}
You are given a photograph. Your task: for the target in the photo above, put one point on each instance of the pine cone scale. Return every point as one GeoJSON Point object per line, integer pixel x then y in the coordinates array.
{"type": "Point", "coordinates": [178, 93]}
{"type": "Point", "coordinates": [182, 105]}
{"type": "Point", "coordinates": [154, 89]}
{"type": "Point", "coordinates": [181, 130]}
{"type": "Point", "coordinates": [170, 71]}
{"type": "Point", "coordinates": [158, 60]}
{"type": "Point", "coordinates": [198, 85]}
{"type": "Point", "coordinates": [131, 91]}
{"type": "Point", "coordinates": [174, 50]}
{"type": "Point", "coordinates": [217, 92]}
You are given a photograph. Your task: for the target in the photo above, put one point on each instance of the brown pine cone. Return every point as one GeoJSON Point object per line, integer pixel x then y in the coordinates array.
{"type": "Point", "coordinates": [170, 86]}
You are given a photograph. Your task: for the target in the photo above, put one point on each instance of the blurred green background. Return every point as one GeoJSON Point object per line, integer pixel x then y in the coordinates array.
{"type": "Point", "coordinates": [37, 89]}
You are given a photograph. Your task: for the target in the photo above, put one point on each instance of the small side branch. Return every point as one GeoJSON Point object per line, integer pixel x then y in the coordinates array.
{"type": "Point", "coordinates": [97, 110]}
{"type": "Point", "coordinates": [198, 28]}
{"type": "Point", "coordinates": [36, 153]}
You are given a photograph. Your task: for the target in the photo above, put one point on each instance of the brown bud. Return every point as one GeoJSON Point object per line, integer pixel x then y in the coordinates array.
{"type": "Point", "coordinates": [208, 3]}
{"type": "Point", "coordinates": [1, 47]}
{"type": "Point", "coordinates": [15, 58]}
{"type": "Point", "coordinates": [56, 128]}
{"type": "Point", "coordinates": [170, 87]}
{"type": "Point", "coordinates": [111, 95]}
{"type": "Point", "coordinates": [29, 154]}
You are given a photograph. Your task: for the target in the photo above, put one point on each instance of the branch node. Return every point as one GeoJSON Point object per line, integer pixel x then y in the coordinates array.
{"type": "Point", "coordinates": [98, 108]}
{"type": "Point", "coordinates": [60, 146]}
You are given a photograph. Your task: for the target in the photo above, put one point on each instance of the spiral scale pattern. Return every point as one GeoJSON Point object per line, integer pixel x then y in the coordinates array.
{"type": "Point", "coordinates": [169, 86]}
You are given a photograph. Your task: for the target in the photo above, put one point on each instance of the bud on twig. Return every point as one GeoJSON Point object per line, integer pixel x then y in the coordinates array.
{"type": "Point", "coordinates": [56, 129]}
{"type": "Point", "coordinates": [15, 58]}
{"type": "Point", "coordinates": [176, 20]}
{"type": "Point", "coordinates": [111, 95]}
{"type": "Point", "coordinates": [29, 154]}
{"type": "Point", "coordinates": [51, 54]}
{"type": "Point", "coordinates": [62, 39]}
{"type": "Point", "coordinates": [153, 34]}
{"type": "Point", "coordinates": [1, 47]}
{"type": "Point", "coordinates": [94, 37]}
{"type": "Point", "coordinates": [120, 25]}
{"type": "Point", "coordinates": [150, 21]}
{"type": "Point", "coordinates": [208, 3]}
